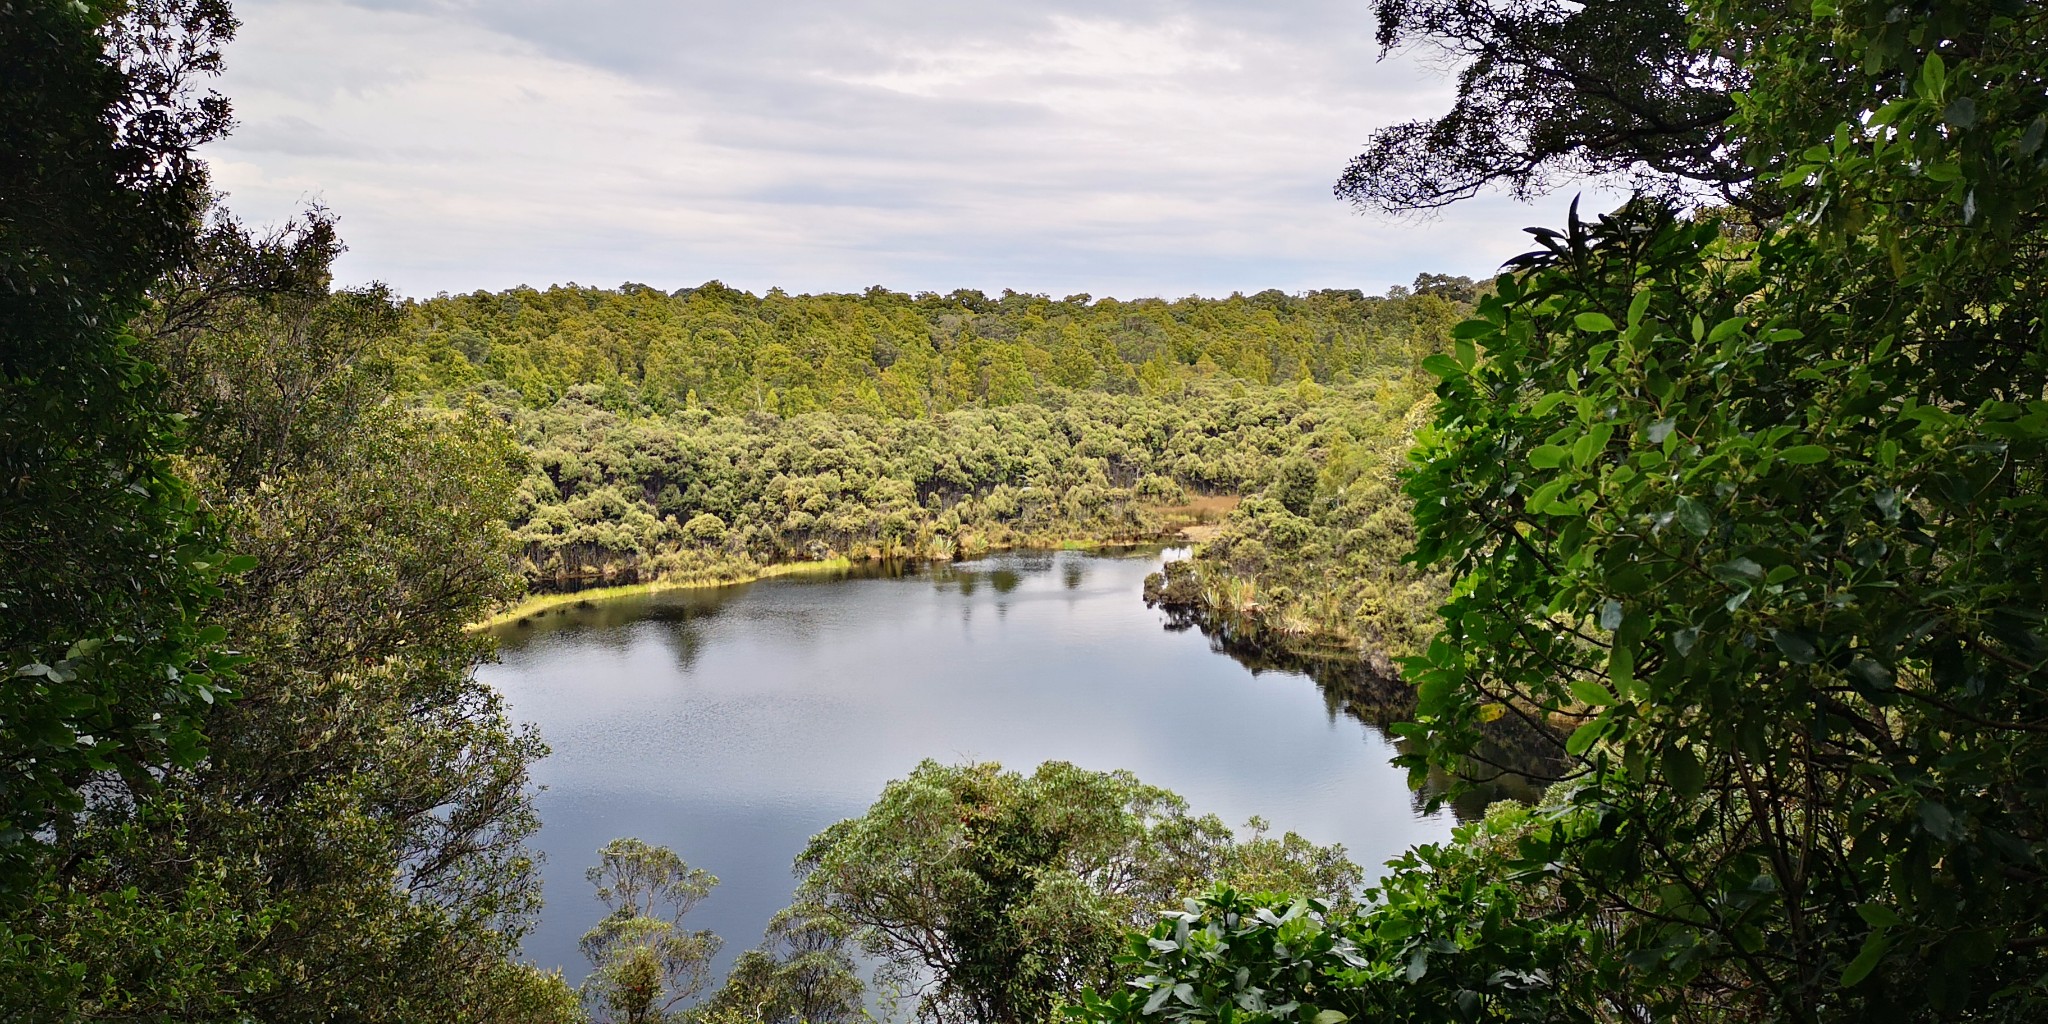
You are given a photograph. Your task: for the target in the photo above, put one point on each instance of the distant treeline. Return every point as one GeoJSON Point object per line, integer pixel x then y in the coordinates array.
{"type": "Point", "coordinates": [893, 354]}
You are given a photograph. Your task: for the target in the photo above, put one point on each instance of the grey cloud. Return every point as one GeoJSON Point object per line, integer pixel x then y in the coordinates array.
{"type": "Point", "coordinates": [1119, 147]}
{"type": "Point", "coordinates": [296, 136]}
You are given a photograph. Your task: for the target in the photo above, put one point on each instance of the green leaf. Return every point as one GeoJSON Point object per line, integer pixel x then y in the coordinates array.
{"type": "Point", "coordinates": [1594, 322]}
{"type": "Point", "coordinates": [1465, 353]}
{"type": "Point", "coordinates": [1159, 997]}
{"type": "Point", "coordinates": [1933, 77]}
{"type": "Point", "coordinates": [1547, 456]}
{"type": "Point", "coordinates": [1936, 819]}
{"type": "Point", "coordinates": [1540, 501]}
{"type": "Point", "coordinates": [1683, 771]}
{"type": "Point", "coordinates": [1693, 515]}
{"type": "Point", "coordinates": [1433, 693]}
{"type": "Point", "coordinates": [240, 564]}
{"type": "Point", "coordinates": [1583, 737]}
{"type": "Point", "coordinates": [1637, 307]}
{"type": "Point", "coordinates": [1418, 965]}
{"type": "Point", "coordinates": [1803, 455]}
{"type": "Point", "coordinates": [1473, 328]}
{"type": "Point", "coordinates": [1796, 648]}
{"type": "Point", "coordinates": [1871, 674]}
{"type": "Point", "coordinates": [1331, 1017]}
{"type": "Point", "coordinates": [1591, 693]}
{"type": "Point", "coordinates": [1866, 961]}
{"type": "Point", "coordinates": [1726, 329]}
{"type": "Point", "coordinates": [1443, 366]}
{"type": "Point", "coordinates": [1960, 113]}
{"type": "Point", "coordinates": [2031, 139]}
{"type": "Point", "coordinates": [1684, 640]}
{"type": "Point", "coordinates": [1736, 570]}
{"type": "Point", "coordinates": [1621, 668]}
{"type": "Point", "coordinates": [1877, 915]}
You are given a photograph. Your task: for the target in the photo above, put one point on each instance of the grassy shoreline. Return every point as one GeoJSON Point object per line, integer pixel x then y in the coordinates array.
{"type": "Point", "coordinates": [538, 603]}
{"type": "Point", "coordinates": [1182, 523]}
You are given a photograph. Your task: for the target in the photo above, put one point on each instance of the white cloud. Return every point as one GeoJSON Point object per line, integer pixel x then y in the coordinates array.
{"type": "Point", "coordinates": [1117, 148]}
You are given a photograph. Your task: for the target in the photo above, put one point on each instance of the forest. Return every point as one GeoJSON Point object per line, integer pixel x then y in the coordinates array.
{"type": "Point", "coordinates": [1731, 496]}
{"type": "Point", "coordinates": [1124, 421]}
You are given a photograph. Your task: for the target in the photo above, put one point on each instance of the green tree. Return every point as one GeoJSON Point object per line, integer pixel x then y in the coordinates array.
{"type": "Point", "coordinates": [1000, 896]}
{"type": "Point", "coordinates": [352, 845]}
{"type": "Point", "coordinates": [1552, 92]}
{"type": "Point", "coordinates": [105, 565]}
{"type": "Point", "coordinates": [802, 973]}
{"type": "Point", "coordinates": [1762, 522]}
{"type": "Point", "coordinates": [643, 964]}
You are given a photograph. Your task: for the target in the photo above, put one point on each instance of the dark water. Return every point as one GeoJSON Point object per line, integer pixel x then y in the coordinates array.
{"type": "Point", "coordinates": [732, 724]}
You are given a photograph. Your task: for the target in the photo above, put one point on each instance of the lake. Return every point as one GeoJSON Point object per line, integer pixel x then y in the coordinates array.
{"type": "Point", "coordinates": [733, 723]}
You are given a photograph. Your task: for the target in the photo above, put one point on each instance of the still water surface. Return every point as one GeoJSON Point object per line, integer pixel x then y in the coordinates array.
{"type": "Point", "coordinates": [732, 724]}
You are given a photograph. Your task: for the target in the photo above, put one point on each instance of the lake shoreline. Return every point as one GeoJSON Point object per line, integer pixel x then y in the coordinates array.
{"type": "Point", "coordinates": [536, 604]}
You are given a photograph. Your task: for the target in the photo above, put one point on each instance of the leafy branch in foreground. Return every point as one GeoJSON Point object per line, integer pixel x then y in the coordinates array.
{"type": "Point", "coordinates": [1759, 519]}
{"type": "Point", "coordinates": [1448, 936]}
{"type": "Point", "coordinates": [106, 563]}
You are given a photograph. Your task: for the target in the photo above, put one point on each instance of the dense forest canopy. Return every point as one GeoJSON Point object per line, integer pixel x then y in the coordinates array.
{"type": "Point", "coordinates": [891, 354]}
{"type": "Point", "coordinates": [701, 434]}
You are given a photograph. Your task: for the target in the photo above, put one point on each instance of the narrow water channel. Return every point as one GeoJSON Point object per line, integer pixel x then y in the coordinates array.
{"type": "Point", "coordinates": [731, 724]}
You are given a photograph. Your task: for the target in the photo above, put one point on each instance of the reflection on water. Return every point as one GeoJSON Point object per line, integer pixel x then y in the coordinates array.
{"type": "Point", "coordinates": [732, 724]}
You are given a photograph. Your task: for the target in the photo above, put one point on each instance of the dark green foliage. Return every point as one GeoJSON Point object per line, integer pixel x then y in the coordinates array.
{"type": "Point", "coordinates": [104, 561]}
{"type": "Point", "coordinates": [1550, 92]}
{"type": "Point", "coordinates": [1789, 604]}
{"type": "Point", "coordinates": [1933, 218]}
{"type": "Point", "coordinates": [348, 847]}
{"type": "Point", "coordinates": [351, 846]}
{"type": "Point", "coordinates": [1445, 938]}
{"type": "Point", "coordinates": [1764, 522]}
{"type": "Point", "coordinates": [1757, 518]}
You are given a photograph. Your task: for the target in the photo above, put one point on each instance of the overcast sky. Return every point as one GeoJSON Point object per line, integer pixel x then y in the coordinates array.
{"type": "Point", "coordinates": [1116, 147]}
